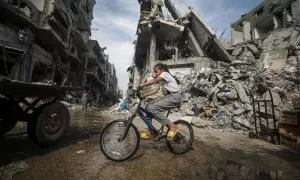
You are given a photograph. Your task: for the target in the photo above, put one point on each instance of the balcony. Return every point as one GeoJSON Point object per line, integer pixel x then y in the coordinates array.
{"type": "Point", "coordinates": [21, 12]}
{"type": "Point", "coordinates": [84, 22]}
{"type": "Point", "coordinates": [92, 76]}
{"type": "Point", "coordinates": [79, 41]}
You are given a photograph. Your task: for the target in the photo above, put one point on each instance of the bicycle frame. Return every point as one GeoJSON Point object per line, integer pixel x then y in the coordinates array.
{"type": "Point", "coordinates": [139, 111]}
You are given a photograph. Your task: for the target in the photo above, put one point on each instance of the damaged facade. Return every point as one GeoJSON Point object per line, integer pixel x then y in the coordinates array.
{"type": "Point", "coordinates": [48, 41]}
{"type": "Point", "coordinates": [181, 42]}
{"type": "Point", "coordinates": [220, 84]}
{"type": "Point", "coordinates": [101, 75]}
{"type": "Point", "coordinates": [266, 17]}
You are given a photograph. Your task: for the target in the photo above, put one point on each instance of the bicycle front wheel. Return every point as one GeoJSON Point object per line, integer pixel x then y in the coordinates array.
{"type": "Point", "coordinates": [112, 146]}
{"type": "Point", "coordinates": [183, 141]}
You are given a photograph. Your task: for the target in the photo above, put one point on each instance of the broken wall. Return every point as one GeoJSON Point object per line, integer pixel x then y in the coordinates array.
{"type": "Point", "coordinates": [207, 39]}
{"type": "Point", "coordinates": [269, 15]}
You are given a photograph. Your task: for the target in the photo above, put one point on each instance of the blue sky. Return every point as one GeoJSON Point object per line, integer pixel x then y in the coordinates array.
{"type": "Point", "coordinates": [115, 24]}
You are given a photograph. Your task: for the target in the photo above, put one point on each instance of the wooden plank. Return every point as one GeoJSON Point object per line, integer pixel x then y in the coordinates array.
{"type": "Point", "coordinates": [289, 130]}
{"type": "Point", "coordinates": [290, 117]}
{"type": "Point", "coordinates": [292, 143]}
{"type": "Point", "coordinates": [296, 103]}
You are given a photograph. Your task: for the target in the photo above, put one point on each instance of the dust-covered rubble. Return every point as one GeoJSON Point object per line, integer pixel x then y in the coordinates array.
{"type": "Point", "coordinates": [9, 171]}
{"type": "Point", "coordinates": [225, 94]}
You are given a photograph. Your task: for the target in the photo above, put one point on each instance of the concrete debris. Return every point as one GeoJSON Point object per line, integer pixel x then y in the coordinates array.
{"type": "Point", "coordinates": [202, 123]}
{"type": "Point", "coordinates": [190, 113]}
{"type": "Point", "coordinates": [188, 119]}
{"type": "Point", "coordinates": [253, 49]}
{"type": "Point", "coordinates": [231, 92]}
{"type": "Point", "coordinates": [240, 89]}
{"type": "Point", "coordinates": [222, 118]}
{"type": "Point", "coordinates": [248, 107]}
{"type": "Point", "coordinates": [80, 152]}
{"type": "Point", "coordinates": [276, 98]}
{"type": "Point", "coordinates": [9, 171]}
{"type": "Point", "coordinates": [218, 90]}
{"type": "Point", "coordinates": [242, 121]}
{"type": "Point", "coordinates": [239, 112]}
{"type": "Point", "coordinates": [237, 51]}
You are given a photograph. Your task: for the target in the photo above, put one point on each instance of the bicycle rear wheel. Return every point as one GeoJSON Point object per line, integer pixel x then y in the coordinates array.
{"type": "Point", "coordinates": [183, 140]}
{"type": "Point", "coordinates": [111, 145]}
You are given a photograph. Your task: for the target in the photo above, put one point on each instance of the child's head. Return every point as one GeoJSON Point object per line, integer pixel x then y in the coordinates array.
{"type": "Point", "coordinates": [158, 69]}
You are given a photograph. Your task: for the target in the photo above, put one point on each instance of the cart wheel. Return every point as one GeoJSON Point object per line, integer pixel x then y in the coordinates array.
{"type": "Point", "coordinates": [252, 135]}
{"type": "Point", "coordinates": [48, 124]}
{"type": "Point", "coordinates": [9, 116]}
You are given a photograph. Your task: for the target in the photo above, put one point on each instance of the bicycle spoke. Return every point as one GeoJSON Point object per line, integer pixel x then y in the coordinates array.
{"type": "Point", "coordinates": [183, 140]}
{"type": "Point", "coordinates": [111, 144]}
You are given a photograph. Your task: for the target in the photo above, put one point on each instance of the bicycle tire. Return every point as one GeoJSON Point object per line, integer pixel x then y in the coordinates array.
{"type": "Point", "coordinates": [103, 148]}
{"type": "Point", "coordinates": [191, 140]}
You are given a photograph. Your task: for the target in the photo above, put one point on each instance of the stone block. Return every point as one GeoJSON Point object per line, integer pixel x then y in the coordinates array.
{"type": "Point", "coordinates": [241, 121]}
{"type": "Point", "coordinates": [252, 48]}
{"type": "Point", "coordinates": [237, 51]}
{"type": "Point", "coordinates": [275, 60]}
{"type": "Point", "coordinates": [241, 92]}
{"type": "Point", "coordinates": [292, 60]}
{"type": "Point", "coordinates": [276, 98]}
{"type": "Point", "coordinates": [239, 112]}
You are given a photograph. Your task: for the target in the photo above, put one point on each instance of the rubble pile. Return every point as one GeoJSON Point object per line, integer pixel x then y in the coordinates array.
{"type": "Point", "coordinates": [225, 93]}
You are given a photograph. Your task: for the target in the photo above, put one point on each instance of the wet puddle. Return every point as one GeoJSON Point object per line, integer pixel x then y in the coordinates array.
{"type": "Point", "coordinates": [234, 170]}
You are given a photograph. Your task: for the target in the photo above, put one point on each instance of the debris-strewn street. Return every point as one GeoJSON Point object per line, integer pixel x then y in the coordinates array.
{"type": "Point", "coordinates": [215, 155]}
{"type": "Point", "coordinates": [63, 64]}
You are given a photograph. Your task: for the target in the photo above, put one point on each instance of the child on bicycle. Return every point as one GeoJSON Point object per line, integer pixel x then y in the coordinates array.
{"type": "Point", "coordinates": [171, 98]}
{"type": "Point", "coordinates": [155, 93]}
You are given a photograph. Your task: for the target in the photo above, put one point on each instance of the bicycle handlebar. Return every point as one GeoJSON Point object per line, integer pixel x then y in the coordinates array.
{"type": "Point", "coordinates": [137, 93]}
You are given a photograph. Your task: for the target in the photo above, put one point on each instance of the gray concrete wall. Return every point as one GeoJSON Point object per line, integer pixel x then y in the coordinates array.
{"type": "Point", "coordinates": [246, 31]}
{"type": "Point", "coordinates": [206, 38]}
{"type": "Point", "coordinates": [261, 17]}
{"type": "Point", "coordinates": [296, 11]}
{"type": "Point", "coordinates": [39, 4]}
{"type": "Point", "coordinates": [236, 36]}
{"type": "Point", "coordinates": [201, 31]}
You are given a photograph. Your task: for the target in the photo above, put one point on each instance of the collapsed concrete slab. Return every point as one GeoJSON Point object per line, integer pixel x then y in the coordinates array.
{"type": "Point", "coordinates": [182, 39]}
{"type": "Point", "coordinates": [207, 39]}
{"type": "Point", "coordinates": [221, 81]}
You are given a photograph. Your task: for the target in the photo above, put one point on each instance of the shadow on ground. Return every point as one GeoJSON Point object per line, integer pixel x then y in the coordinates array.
{"type": "Point", "coordinates": [18, 147]}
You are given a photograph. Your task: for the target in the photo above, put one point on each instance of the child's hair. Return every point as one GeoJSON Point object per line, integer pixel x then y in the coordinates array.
{"type": "Point", "coordinates": [166, 69]}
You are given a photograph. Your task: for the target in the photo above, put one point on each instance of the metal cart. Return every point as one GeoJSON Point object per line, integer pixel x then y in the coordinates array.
{"type": "Point", "coordinates": [38, 105]}
{"type": "Point", "coordinates": [264, 130]}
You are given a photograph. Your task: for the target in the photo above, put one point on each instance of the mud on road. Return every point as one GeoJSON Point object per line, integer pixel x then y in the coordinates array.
{"type": "Point", "coordinates": [215, 155]}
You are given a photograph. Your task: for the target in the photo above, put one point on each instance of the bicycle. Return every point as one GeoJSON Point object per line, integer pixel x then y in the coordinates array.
{"type": "Point", "coordinates": [120, 139]}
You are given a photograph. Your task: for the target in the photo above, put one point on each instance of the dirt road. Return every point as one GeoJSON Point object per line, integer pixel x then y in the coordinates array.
{"type": "Point", "coordinates": [216, 155]}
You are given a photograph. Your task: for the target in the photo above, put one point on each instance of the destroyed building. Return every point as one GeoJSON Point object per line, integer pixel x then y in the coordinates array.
{"type": "Point", "coordinates": [266, 17]}
{"type": "Point", "coordinates": [101, 75]}
{"type": "Point", "coordinates": [49, 41]}
{"type": "Point", "coordinates": [220, 84]}
{"type": "Point", "coordinates": [183, 41]}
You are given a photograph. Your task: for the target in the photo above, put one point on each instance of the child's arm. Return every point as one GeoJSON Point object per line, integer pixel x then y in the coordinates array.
{"type": "Point", "coordinates": [153, 81]}
{"type": "Point", "coordinates": [153, 91]}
